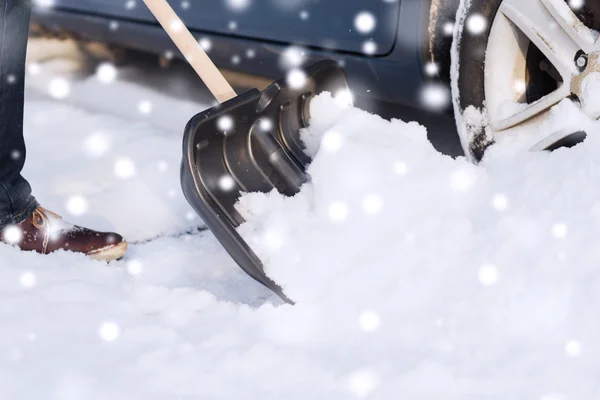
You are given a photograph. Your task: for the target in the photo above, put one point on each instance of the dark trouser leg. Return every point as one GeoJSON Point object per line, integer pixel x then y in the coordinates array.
{"type": "Point", "coordinates": [16, 202]}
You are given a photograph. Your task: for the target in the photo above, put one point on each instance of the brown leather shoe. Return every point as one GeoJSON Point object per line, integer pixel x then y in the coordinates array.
{"type": "Point", "coordinates": [45, 232]}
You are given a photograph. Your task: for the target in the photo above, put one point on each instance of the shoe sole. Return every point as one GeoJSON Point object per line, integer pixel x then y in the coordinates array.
{"type": "Point", "coordinates": [110, 253]}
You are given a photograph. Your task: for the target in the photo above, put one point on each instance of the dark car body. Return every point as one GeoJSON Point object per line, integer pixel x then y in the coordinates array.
{"type": "Point", "coordinates": [252, 40]}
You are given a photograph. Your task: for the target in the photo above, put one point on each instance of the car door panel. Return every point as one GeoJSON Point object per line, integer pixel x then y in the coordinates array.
{"type": "Point", "coordinates": [325, 24]}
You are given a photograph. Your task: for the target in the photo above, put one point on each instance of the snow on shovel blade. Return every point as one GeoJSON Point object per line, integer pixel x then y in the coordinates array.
{"type": "Point", "coordinates": [251, 144]}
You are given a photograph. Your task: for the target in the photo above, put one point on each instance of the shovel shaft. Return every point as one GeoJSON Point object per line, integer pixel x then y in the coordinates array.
{"type": "Point", "coordinates": [191, 50]}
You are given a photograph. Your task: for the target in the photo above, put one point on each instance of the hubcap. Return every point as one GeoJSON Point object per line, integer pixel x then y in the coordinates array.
{"type": "Point", "coordinates": [569, 47]}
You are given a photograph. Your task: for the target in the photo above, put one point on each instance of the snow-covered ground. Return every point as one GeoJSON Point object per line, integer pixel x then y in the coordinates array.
{"type": "Point", "coordinates": [416, 276]}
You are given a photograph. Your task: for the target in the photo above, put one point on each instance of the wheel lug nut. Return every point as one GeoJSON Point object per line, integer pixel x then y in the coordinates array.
{"type": "Point", "coordinates": [582, 61]}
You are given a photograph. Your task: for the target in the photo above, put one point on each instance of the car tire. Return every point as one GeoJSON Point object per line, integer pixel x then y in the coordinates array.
{"type": "Point", "coordinates": [468, 72]}
{"type": "Point", "coordinates": [517, 67]}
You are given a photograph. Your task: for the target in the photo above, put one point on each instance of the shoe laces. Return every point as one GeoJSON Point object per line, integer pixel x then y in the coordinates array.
{"type": "Point", "coordinates": [41, 219]}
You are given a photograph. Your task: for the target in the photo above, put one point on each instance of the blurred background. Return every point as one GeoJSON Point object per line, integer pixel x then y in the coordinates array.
{"type": "Point", "coordinates": [395, 67]}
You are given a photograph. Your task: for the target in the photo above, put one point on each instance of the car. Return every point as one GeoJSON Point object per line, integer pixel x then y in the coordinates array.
{"type": "Point", "coordinates": [528, 53]}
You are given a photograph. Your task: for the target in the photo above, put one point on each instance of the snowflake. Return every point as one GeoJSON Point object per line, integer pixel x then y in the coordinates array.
{"type": "Point", "coordinates": [59, 88]}
{"type": "Point", "coordinates": [226, 183]}
{"type": "Point", "coordinates": [109, 331]}
{"type": "Point", "coordinates": [77, 205]}
{"type": "Point", "coordinates": [435, 96]}
{"type": "Point", "coordinates": [573, 348]}
{"type": "Point", "coordinates": [206, 44]}
{"type": "Point", "coordinates": [560, 230]}
{"type": "Point", "coordinates": [365, 22]}
{"type": "Point", "coordinates": [338, 211]}
{"type": "Point", "coordinates": [332, 142]}
{"type": "Point", "coordinates": [369, 321]}
{"type": "Point", "coordinates": [373, 204]}
{"type": "Point", "coordinates": [500, 202]}
{"type": "Point", "coordinates": [476, 24]}
{"type": "Point", "coordinates": [106, 72]}
{"type": "Point", "coordinates": [238, 5]}
{"type": "Point", "coordinates": [12, 234]}
{"type": "Point", "coordinates": [488, 275]}
{"type": "Point", "coordinates": [225, 123]}
{"type": "Point", "coordinates": [296, 78]}
{"type": "Point", "coordinates": [124, 168]}
{"type": "Point", "coordinates": [96, 145]}
{"type": "Point", "coordinates": [28, 280]}
{"type": "Point", "coordinates": [135, 267]}
{"type": "Point", "coordinates": [369, 47]}
{"type": "Point", "coordinates": [363, 383]}
{"type": "Point", "coordinates": [145, 107]}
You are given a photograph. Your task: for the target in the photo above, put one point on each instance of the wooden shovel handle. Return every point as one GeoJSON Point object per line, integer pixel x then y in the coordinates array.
{"type": "Point", "coordinates": [191, 50]}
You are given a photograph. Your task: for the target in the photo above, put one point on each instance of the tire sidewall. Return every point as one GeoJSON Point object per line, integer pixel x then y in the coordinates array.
{"type": "Point", "coordinates": [468, 72]}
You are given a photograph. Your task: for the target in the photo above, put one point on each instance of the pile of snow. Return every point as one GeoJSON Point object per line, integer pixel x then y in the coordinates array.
{"type": "Point", "coordinates": [431, 277]}
{"type": "Point", "coordinates": [416, 276]}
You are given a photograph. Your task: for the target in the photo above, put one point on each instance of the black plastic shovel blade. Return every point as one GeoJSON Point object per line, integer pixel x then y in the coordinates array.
{"type": "Point", "coordinates": [251, 144]}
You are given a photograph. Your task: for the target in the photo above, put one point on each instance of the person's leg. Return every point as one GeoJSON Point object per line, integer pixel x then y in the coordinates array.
{"type": "Point", "coordinates": [16, 202]}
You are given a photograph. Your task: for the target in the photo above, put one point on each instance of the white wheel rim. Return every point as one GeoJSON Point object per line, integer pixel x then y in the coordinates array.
{"type": "Point", "coordinates": [553, 27]}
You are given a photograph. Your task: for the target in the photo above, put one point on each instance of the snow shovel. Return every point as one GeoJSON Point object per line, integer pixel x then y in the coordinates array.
{"type": "Point", "coordinates": [248, 143]}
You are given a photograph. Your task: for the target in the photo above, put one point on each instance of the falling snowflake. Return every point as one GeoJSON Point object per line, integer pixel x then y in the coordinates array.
{"type": "Point", "coordinates": [163, 166]}
{"type": "Point", "coordinates": [206, 44]}
{"type": "Point", "coordinates": [44, 3]}
{"type": "Point", "coordinates": [266, 124]}
{"type": "Point", "coordinates": [77, 205]}
{"type": "Point", "coordinates": [145, 107]}
{"type": "Point", "coordinates": [363, 383]}
{"type": "Point", "coordinates": [576, 4]}
{"type": "Point", "coordinates": [373, 204]}
{"type": "Point", "coordinates": [296, 78]}
{"type": "Point", "coordinates": [304, 15]}
{"type": "Point", "coordinates": [106, 72]}
{"type": "Point", "coordinates": [500, 202]}
{"type": "Point", "coordinates": [28, 280]}
{"type": "Point", "coordinates": [369, 321]}
{"type": "Point", "coordinates": [560, 230]}
{"type": "Point", "coordinates": [135, 267]}
{"type": "Point", "coordinates": [344, 98]}
{"type": "Point", "coordinates": [338, 211]}
{"type": "Point", "coordinates": [369, 47]}
{"type": "Point", "coordinates": [292, 57]}
{"type": "Point", "coordinates": [365, 22]}
{"type": "Point", "coordinates": [124, 168]}
{"type": "Point", "coordinates": [59, 88]}
{"type": "Point", "coordinates": [476, 24]}
{"type": "Point", "coordinates": [33, 68]}
{"type": "Point", "coordinates": [226, 183]}
{"type": "Point", "coordinates": [96, 145]}
{"type": "Point", "coordinates": [435, 96]}
{"type": "Point", "coordinates": [109, 331]}
{"type": "Point", "coordinates": [573, 348]}
{"type": "Point", "coordinates": [225, 123]}
{"type": "Point", "coordinates": [463, 179]}
{"type": "Point", "coordinates": [401, 168]}
{"type": "Point", "coordinates": [432, 69]}
{"type": "Point", "coordinates": [448, 28]}
{"type": "Point", "coordinates": [238, 5]}
{"type": "Point", "coordinates": [12, 234]}
{"type": "Point", "coordinates": [332, 141]}
{"type": "Point", "coordinates": [274, 239]}
{"type": "Point", "coordinates": [488, 275]}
